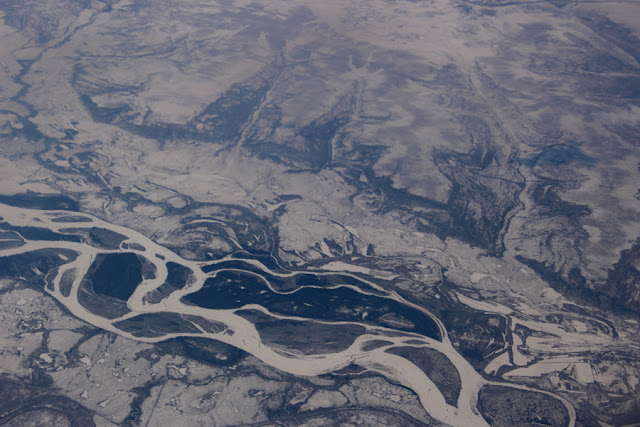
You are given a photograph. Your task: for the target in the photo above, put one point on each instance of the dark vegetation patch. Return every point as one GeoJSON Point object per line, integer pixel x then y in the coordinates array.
{"type": "Point", "coordinates": [372, 345]}
{"type": "Point", "coordinates": [38, 416]}
{"type": "Point", "coordinates": [254, 234]}
{"type": "Point", "coordinates": [288, 197]}
{"type": "Point", "coordinates": [37, 233]}
{"type": "Point", "coordinates": [617, 34]}
{"type": "Point", "coordinates": [506, 406]}
{"type": "Point", "coordinates": [623, 279]}
{"type": "Point", "coordinates": [220, 121]}
{"type": "Point", "coordinates": [312, 147]}
{"type": "Point", "coordinates": [40, 201]}
{"type": "Point", "coordinates": [351, 370]}
{"type": "Point", "coordinates": [107, 307]}
{"type": "Point", "coordinates": [558, 155]}
{"type": "Point", "coordinates": [347, 416]}
{"type": "Point", "coordinates": [39, 21]}
{"type": "Point", "coordinates": [209, 326]}
{"type": "Point", "coordinates": [148, 269]}
{"type": "Point", "coordinates": [478, 202]}
{"type": "Point", "coordinates": [151, 325]}
{"type": "Point", "coordinates": [233, 289]}
{"type": "Point", "coordinates": [437, 367]}
{"type": "Point", "coordinates": [574, 286]}
{"type": "Point", "coordinates": [106, 239]}
{"type": "Point", "coordinates": [23, 404]}
{"type": "Point", "coordinates": [477, 334]}
{"type": "Point", "coordinates": [265, 258]}
{"type": "Point", "coordinates": [178, 275]}
{"type": "Point", "coordinates": [66, 282]}
{"type": "Point", "coordinates": [209, 351]}
{"type": "Point", "coordinates": [10, 239]}
{"type": "Point", "coordinates": [306, 337]}
{"type": "Point", "coordinates": [177, 278]}
{"type": "Point", "coordinates": [294, 281]}
{"type": "Point", "coordinates": [136, 247]}
{"type": "Point", "coordinates": [71, 219]}
{"type": "Point", "coordinates": [628, 132]}
{"type": "Point", "coordinates": [549, 204]}
{"type": "Point", "coordinates": [619, 293]}
{"type": "Point", "coordinates": [232, 264]}
{"type": "Point", "coordinates": [109, 283]}
{"type": "Point", "coordinates": [115, 275]}
{"type": "Point", "coordinates": [33, 267]}
{"type": "Point", "coordinates": [102, 114]}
